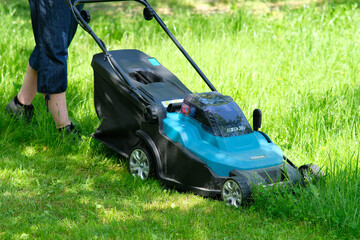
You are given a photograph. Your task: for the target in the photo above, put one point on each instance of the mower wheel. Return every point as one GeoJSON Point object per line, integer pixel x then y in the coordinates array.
{"type": "Point", "coordinates": [141, 163]}
{"type": "Point", "coordinates": [310, 173]}
{"type": "Point", "coordinates": [234, 192]}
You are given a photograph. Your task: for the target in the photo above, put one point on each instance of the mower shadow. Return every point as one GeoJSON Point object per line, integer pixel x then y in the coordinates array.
{"type": "Point", "coordinates": [62, 192]}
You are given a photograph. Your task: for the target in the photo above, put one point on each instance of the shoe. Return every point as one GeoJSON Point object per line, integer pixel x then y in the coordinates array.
{"type": "Point", "coordinates": [20, 111]}
{"type": "Point", "coordinates": [70, 130]}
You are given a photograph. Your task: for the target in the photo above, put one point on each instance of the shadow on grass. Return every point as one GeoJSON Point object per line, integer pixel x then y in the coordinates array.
{"type": "Point", "coordinates": [57, 188]}
{"type": "Point", "coordinates": [80, 191]}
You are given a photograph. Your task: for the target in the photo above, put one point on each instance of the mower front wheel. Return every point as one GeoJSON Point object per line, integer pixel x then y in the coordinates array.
{"type": "Point", "coordinates": [234, 192]}
{"type": "Point", "coordinates": [311, 173]}
{"type": "Point", "coordinates": [141, 163]}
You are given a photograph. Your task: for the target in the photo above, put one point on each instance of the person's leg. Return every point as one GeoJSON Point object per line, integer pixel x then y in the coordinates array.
{"type": "Point", "coordinates": [46, 72]}
{"type": "Point", "coordinates": [29, 88]}
{"type": "Point", "coordinates": [58, 109]}
{"type": "Point", "coordinates": [53, 40]}
{"type": "Point", "coordinates": [57, 103]}
{"type": "Point", "coordinates": [20, 106]}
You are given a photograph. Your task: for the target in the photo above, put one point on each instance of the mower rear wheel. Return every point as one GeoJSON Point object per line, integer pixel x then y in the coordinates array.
{"type": "Point", "coordinates": [310, 173]}
{"type": "Point", "coordinates": [234, 192]}
{"type": "Point", "coordinates": [141, 163]}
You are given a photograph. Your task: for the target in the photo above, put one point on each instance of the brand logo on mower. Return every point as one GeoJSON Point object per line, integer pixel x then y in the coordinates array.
{"type": "Point", "coordinates": [233, 129]}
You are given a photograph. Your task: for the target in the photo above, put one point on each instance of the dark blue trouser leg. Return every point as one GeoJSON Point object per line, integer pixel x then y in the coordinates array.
{"type": "Point", "coordinates": [54, 27]}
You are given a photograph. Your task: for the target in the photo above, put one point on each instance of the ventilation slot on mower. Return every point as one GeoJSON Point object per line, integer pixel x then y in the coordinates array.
{"type": "Point", "coordinates": [145, 77]}
{"type": "Point", "coordinates": [272, 176]}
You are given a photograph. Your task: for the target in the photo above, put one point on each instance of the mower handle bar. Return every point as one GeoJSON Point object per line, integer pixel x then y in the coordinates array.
{"type": "Point", "coordinates": [114, 65]}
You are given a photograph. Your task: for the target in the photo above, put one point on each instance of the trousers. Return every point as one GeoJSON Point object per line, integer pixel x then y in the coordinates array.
{"type": "Point", "coordinates": [54, 27]}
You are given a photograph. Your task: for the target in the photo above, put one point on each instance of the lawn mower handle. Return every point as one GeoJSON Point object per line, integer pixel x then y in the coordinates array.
{"type": "Point", "coordinates": [86, 27]}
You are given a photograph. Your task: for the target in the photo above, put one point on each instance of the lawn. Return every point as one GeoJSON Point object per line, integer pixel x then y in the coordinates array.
{"type": "Point", "coordinates": [298, 63]}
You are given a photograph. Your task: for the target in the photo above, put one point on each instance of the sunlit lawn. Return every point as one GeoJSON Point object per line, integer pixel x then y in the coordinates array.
{"type": "Point", "coordinates": [300, 67]}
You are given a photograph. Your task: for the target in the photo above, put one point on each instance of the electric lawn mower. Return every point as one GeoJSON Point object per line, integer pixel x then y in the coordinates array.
{"type": "Point", "coordinates": [199, 142]}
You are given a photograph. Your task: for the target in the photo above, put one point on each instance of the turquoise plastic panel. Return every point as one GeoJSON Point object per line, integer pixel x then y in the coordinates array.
{"type": "Point", "coordinates": [222, 154]}
{"type": "Point", "coordinates": [154, 62]}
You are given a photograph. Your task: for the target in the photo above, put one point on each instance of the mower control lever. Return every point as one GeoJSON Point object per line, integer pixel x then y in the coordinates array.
{"type": "Point", "coordinates": [148, 13]}
{"type": "Point", "coordinates": [85, 14]}
{"type": "Point", "coordinates": [257, 115]}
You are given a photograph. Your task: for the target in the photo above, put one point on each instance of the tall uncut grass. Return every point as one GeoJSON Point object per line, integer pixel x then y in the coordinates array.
{"type": "Point", "coordinates": [299, 66]}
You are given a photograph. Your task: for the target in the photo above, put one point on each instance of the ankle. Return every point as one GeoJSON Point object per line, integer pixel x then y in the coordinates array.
{"type": "Point", "coordinates": [21, 101]}
{"type": "Point", "coordinates": [71, 131]}
{"type": "Point", "coordinates": [17, 101]}
{"type": "Point", "coordinates": [64, 125]}
{"type": "Point", "coordinates": [69, 126]}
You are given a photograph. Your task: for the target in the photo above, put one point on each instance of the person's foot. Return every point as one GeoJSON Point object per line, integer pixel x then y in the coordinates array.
{"type": "Point", "coordinates": [20, 111]}
{"type": "Point", "coordinates": [70, 130]}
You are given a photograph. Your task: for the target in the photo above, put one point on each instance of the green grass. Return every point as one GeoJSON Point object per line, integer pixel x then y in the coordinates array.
{"type": "Point", "coordinates": [300, 67]}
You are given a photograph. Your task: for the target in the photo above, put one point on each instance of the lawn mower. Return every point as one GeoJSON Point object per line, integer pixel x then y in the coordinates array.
{"type": "Point", "coordinates": [199, 142]}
